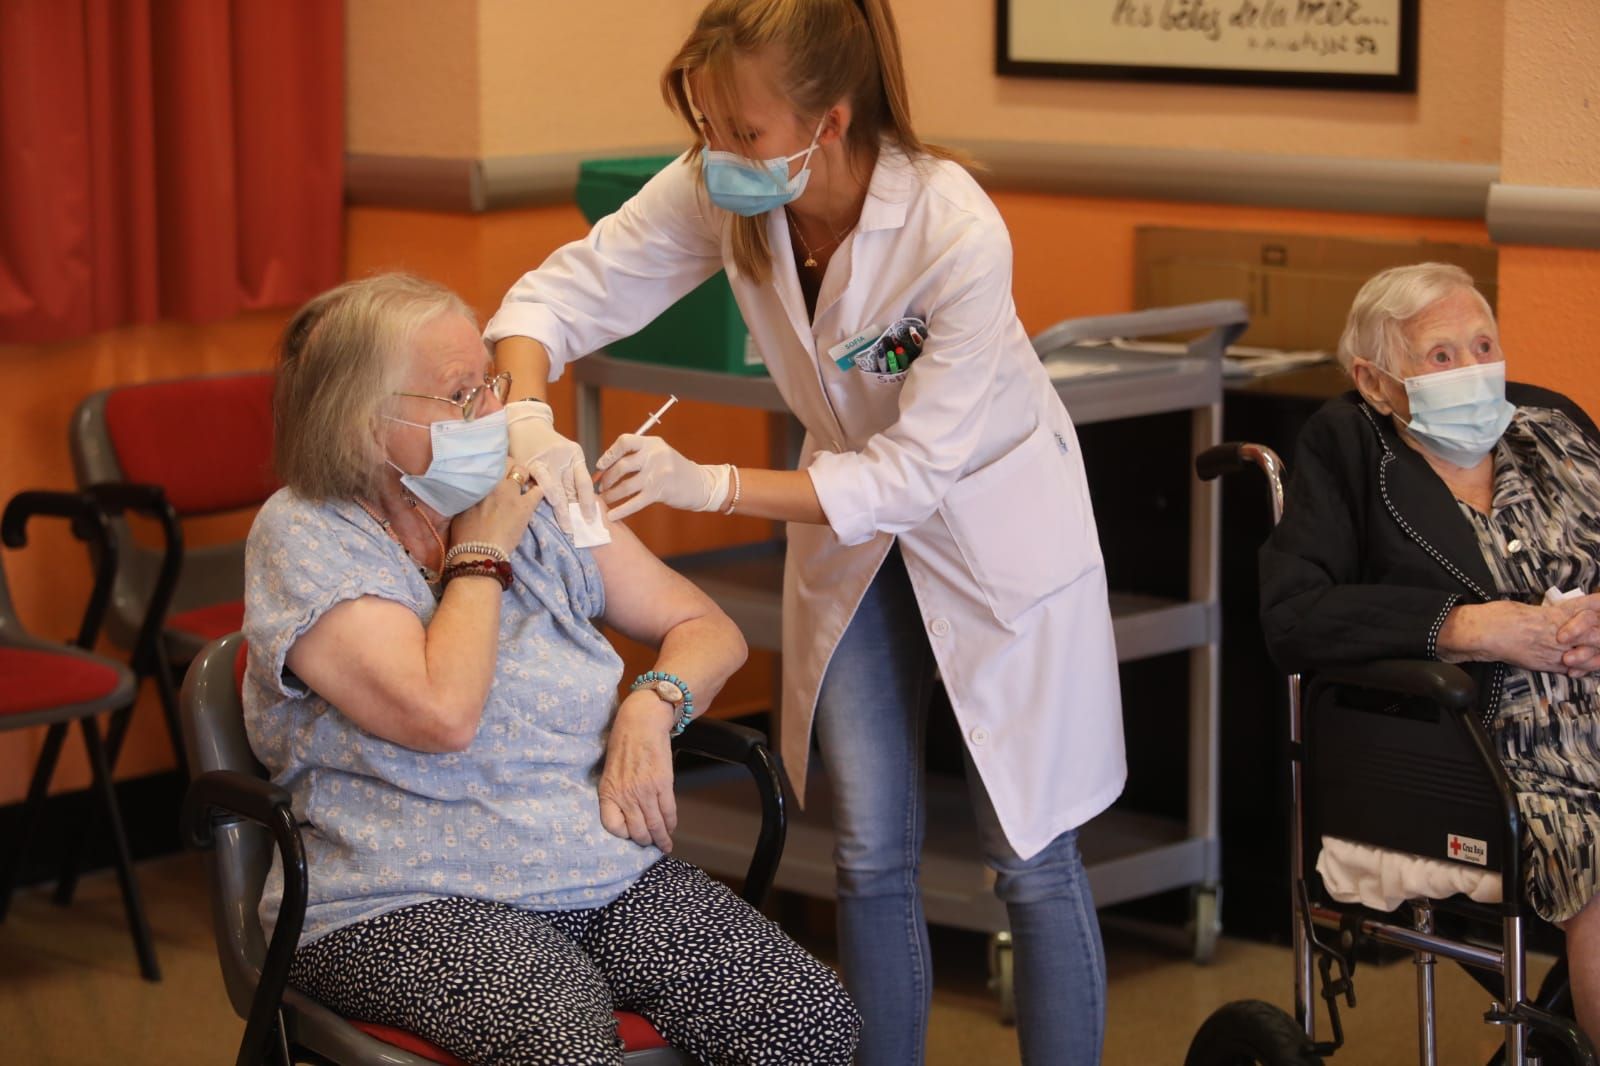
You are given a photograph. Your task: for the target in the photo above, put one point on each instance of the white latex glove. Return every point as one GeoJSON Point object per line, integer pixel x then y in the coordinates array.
{"type": "Point", "coordinates": [565, 477]}
{"type": "Point", "coordinates": [638, 471]}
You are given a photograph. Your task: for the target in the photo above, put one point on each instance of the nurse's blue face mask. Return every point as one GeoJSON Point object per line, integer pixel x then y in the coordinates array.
{"type": "Point", "coordinates": [751, 188]}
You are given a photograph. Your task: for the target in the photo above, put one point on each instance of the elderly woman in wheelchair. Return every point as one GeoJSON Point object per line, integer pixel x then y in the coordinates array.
{"type": "Point", "coordinates": [1438, 513]}
{"type": "Point", "coordinates": [486, 825]}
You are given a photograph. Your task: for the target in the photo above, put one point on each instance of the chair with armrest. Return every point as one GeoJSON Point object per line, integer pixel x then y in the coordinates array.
{"type": "Point", "coordinates": [240, 817]}
{"type": "Point", "coordinates": [53, 684]}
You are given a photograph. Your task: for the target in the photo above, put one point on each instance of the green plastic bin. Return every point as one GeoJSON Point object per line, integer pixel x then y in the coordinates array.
{"type": "Point", "coordinates": [704, 330]}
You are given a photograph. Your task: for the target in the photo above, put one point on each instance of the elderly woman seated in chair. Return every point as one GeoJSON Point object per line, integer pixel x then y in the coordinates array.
{"type": "Point", "coordinates": [486, 825]}
{"type": "Point", "coordinates": [1437, 513]}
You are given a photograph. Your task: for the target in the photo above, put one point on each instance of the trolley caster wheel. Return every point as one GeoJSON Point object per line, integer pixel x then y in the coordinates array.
{"type": "Point", "coordinates": [1002, 976]}
{"type": "Point", "coordinates": [1205, 923]}
{"type": "Point", "coordinates": [1249, 1032]}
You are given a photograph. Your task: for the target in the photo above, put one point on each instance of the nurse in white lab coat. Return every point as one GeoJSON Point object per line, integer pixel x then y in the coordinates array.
{"type": "Point", "coordinates": [939, 524]}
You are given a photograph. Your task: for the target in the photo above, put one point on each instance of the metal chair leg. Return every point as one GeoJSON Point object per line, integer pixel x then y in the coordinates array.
{"type": "Point", "coordinates": [43, 770]}
{"type": "Point", "coordinates": [72, 856]}
{"type": "Point", "coordinates": [167, 686]}
{"type": "Point", "coordinates": [143, 945]}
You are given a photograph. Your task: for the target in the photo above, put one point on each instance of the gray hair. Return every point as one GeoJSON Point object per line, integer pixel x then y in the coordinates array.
{"type": "Point", "coordinates": [339, 363]}
{"type": "Point", "coordinates": [1375, 329]}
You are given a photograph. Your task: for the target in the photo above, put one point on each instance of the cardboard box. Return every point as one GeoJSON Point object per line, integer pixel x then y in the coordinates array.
{"type": "Point", "coordinates": [1298, 287]}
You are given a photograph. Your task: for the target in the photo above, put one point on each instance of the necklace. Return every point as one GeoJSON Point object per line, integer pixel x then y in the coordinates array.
{"type": "Point", "coordinates": [428, 574]}
{"type": "Point", "coordinates": [811, 256]}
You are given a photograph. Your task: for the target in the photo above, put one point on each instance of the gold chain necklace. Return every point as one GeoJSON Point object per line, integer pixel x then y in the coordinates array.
{"type": "Point", "coordinates": [811, 256]}
{"type": "Point", "coordinates": [427, 573]}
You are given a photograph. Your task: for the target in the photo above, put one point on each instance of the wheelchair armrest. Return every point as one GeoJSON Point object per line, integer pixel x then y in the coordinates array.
{"type": "Point", "coordinates": [742, 746]}
{"type": "Point", "coordinates": [1443, 683]}
{"type": "Point", "coordinates": [230, 792]}
{"type": "Point", "coordinates": [117, 498]}
{"type": "Point", "coordinates": [89, 524]}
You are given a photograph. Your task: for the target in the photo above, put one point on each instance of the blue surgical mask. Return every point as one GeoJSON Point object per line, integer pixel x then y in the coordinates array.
{"type": "Point", "coordinates": [1458, 415]}
{"type": "Point", "coordinates": [469, 459]}
{"type": "Point", "coordinates": [748, 188]}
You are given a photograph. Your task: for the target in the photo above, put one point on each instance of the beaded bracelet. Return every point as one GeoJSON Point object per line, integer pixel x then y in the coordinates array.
{"type": "Point", "coordinates": [686, 712]}
{"type": "Point", "coordinates": [733, 497]}
{"type": "Point", "coordinates": [477, 547]}
{"type": "Point", "coordinates": [501, 572]}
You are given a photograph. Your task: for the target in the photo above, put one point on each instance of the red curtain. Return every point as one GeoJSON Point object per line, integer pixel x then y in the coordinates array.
{"type": "Point", "coordinates": [166, 159]}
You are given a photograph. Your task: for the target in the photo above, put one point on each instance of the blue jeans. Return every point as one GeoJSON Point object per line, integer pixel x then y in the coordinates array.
{"type": "Point", "coordinates": [871, 722]}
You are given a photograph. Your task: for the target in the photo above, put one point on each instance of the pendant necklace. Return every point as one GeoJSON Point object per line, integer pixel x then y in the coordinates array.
{"type": "Point", "coordinates": [428, 575]}
{"type": "Point", "coordinates": [811, 257]}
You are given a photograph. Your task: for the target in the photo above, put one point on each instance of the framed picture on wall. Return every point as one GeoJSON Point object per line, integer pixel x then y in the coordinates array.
{"type": "Point", "coordinates": [1316, 44]}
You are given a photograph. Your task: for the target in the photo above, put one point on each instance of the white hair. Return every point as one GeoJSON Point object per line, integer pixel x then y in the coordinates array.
{"type": "Point", "coordinates": [1375, 330]}
{"type": "Point", "coordinates": [340, 359]}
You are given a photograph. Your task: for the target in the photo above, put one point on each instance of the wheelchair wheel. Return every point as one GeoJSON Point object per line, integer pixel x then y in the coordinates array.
{"type": "Point", "coordinates": [1249, 1032]}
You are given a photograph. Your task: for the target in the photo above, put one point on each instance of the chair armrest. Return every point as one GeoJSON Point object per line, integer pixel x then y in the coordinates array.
{"type": "Point", "coordinates": [116, 498]}
{"type": "Point", "coordinates": [1443, 683]}
{"type": "Point", "coordinates": [723, 741]}
{"type": "Point", "coordinates": [742, 746]}
{"type": "Point", "coordinates": [230, 792]}
{"type": "Point", "coordinates": [233, 793]}
{"type": "Point", "coordinates": [90, 525]}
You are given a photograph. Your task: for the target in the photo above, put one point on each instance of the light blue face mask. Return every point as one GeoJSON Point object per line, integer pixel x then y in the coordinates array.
{"type": "Point", "coordinates": [748, 188]}
{"type": "Point", "coordinates": [469, 459]}
{"type": "Point", "coordinates": [1458, 415]}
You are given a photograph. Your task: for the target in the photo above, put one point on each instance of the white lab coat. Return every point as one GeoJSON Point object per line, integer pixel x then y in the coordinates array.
{"type": "Point", "coordinates": [969, 459]}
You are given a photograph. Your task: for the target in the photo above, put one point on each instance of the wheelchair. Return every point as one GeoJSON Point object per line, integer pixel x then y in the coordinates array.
{"type": "Point", "coordinates": [240, 817]}
{"type": "Point", "coordinates": [1365, 742]}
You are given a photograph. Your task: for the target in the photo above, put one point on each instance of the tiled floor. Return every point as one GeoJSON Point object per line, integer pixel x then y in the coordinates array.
{"type": "Point", "coordinates": [70, 992]}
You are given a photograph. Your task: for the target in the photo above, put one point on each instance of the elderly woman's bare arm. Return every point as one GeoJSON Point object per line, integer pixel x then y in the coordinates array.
{"type": "Point", "coordinates": [648, 601]}
{"type": "Point", "coordinates": [422, 687]}
{"type": "Point", "coordinates": [698, 643]}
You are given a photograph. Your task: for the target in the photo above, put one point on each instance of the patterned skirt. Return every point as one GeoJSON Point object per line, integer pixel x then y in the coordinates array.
{"type": "Point", "coordinates": [1551, 752]}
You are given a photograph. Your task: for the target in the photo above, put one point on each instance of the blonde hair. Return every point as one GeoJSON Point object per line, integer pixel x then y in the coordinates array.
{"type": "Point", "coordinates": [1375, 329]}
{"type": "Point", "coordinates": [829, 49]}
{"type": "Point", "coordinates": [339, 362]}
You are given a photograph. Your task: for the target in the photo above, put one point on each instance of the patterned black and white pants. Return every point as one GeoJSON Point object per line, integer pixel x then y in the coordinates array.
{"type": "Point", "coordinates": [494, 984]}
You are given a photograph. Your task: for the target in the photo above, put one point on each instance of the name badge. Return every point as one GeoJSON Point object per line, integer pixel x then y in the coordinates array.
{"type": "Point", "coordinates": [844, 353]}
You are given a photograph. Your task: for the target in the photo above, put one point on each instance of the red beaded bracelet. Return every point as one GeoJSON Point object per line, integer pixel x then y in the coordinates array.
{"type": "Point", "coordinates": [501, 572]}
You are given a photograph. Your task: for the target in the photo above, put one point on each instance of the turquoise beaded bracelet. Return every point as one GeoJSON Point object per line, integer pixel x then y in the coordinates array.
{"type": "Point", "coordinates": [686, 712]}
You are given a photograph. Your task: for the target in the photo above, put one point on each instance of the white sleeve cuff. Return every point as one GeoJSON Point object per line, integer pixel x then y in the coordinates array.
{"type": "Point", "coordinates": [845, 495]}
{"type": "Point", "coordinates": [535, 322]}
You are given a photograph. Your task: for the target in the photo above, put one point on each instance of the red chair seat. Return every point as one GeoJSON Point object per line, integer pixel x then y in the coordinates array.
{"type": "Point", "coordinates": [637, 1035]}
{"type": "Point", "coordinates": [210, 622]}
{"type": "Point", "coordinates": [33, 680]}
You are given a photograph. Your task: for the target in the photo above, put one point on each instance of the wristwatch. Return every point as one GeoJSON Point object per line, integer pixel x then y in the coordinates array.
{"type": "Point", "coordinates": [671, 691]}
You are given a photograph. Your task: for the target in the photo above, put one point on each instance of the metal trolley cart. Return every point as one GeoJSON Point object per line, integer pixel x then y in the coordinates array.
{"type": "Point", "coordinates": [1128, 855]}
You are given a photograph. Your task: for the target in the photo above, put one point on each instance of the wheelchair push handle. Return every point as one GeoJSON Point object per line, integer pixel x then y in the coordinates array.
{"type": "Point", "coordinates": [1232, 456]}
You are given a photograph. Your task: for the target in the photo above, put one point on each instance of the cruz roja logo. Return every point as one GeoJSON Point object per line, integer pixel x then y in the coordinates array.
{"type": "Point", "coordinates": [1466, 849]}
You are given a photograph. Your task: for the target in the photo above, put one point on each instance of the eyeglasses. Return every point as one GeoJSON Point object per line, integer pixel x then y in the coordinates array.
{"type": "Point", "coordinates": [470, 401]}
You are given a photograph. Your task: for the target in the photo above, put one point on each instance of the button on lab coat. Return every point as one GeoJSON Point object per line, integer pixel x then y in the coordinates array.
{"type": "Point", "coordinates": [969, 458]}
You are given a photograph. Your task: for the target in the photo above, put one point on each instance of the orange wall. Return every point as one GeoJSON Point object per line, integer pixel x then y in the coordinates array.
{"type": "Point", "coordinates": [1074, 256]}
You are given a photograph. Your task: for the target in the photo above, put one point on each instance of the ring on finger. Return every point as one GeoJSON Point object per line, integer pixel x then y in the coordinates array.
{"type": "Point", "coordinates": [520, 477]}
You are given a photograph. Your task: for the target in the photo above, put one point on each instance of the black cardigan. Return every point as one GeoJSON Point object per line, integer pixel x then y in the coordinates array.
{"type": "Point", "coordinates": [1373, 550]}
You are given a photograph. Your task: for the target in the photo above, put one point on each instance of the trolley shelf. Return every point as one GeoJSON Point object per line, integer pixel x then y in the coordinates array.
{"type": "Point", "coordinates": [1127, 855]}
{"type": "Point", "coordinates": [747, 582]}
